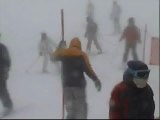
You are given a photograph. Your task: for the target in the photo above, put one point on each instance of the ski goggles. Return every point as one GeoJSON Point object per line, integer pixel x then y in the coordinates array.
{"type": "Point", "coordinates": [141, 74]}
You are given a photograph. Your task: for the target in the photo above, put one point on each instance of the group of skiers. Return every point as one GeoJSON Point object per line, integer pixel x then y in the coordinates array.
{"type": "Point", "coordinates": [132, 98]}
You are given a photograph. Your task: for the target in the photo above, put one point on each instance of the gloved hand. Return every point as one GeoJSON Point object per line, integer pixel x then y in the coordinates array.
{"type": "Point", "coordinates": [98, 85]}
{"type": "Point", "coordinates": [62, 44]}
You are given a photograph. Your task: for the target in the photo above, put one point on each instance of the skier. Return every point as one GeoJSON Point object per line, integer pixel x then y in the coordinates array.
{"type": "Point", "coordinates": [131, 34]}
{"type": "Point", "coordinates": [115, 17]}
{"type": "Point", "coordinates": [133, 97]}
{"type": "Point", "coordinates": [74, 63]}
{"type": "Point", "coordinates": [91, 35]}
{"type": "Point", "coordinates": [5, 63]}
{"type": "Point", "coordinates": [46, 46]}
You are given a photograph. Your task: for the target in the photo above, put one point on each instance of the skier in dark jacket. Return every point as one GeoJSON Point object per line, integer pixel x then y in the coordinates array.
{"type": "Point", "coordinates": [74, 64]}
{"type": "Point", "coordinates": [91, 35]}
{"type": "Point", "coordinates": [5, 64]}
{"type": "Point", "coordinates": [133, 97]}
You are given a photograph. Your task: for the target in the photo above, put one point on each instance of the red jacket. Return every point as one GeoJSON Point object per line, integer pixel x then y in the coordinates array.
{"type": "Point", "coordinates": [129, 102]}
{"type": "Point", "coordinates": [131, 34]}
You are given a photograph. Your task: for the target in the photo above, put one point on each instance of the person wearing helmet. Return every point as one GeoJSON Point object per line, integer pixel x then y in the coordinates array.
{"type": "Point", "coordinates": [133, 97]}
{"type": "Point", "coordinates": [74, 64]}
{"type": "Point", "coordinates": [131, 34]}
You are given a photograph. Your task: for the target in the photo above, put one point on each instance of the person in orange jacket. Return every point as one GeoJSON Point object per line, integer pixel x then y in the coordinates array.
{"type": "Point", "coordinates": [74, 63]}
{"type": "Point", "coordinates": [131, 34]}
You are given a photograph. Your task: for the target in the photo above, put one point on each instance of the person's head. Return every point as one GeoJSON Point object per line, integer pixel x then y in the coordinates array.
{"type": "Point", "coordinates": [114, 2]}
{"type": "Point", "coordinates": [131, 21]}
{"type": "Point", "coordinates": [138, 72]}
{"type": "Point", "coordinates": [75, 42]}
{"type": "Point", "coordinates": [43, 36]}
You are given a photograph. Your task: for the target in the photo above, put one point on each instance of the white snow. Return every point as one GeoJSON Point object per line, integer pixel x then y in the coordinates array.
{"type": "Point", "coordinates": [37, 95]}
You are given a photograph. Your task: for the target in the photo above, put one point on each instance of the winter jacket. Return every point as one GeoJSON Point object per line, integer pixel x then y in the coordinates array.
{"type": "Point", "coordinates": [5, 61]}
{"type": "Point", "coordinates": [129, 102]}
{"type": "Point", "coordinates": [91, 31]}
{"type": "Point", "coordinates": [74, 63]}
{"type": "Point", "coordinates": [131, 34]}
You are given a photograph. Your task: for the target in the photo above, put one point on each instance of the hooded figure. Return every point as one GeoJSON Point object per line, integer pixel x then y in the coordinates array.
{"type": "Point", "coordinates": [133, 97]}
{"type": "Point", "coordinates": [74, 63]}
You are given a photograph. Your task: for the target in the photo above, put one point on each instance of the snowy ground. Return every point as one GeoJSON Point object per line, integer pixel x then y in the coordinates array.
{"type": "Point", "coordinates": [37, 95]}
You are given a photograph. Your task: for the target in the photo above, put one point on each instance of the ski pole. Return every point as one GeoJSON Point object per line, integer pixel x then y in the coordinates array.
{"type": "Point", "coordinates": [33, 63]}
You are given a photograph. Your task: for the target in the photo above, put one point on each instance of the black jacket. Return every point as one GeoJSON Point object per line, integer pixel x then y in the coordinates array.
{"type": "Point", "coordinates": [5, 61]}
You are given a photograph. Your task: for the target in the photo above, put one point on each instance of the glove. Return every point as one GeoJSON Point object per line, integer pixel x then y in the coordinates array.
{"type": "Point", "coordinates": [98, 85]}
{"type": "Point", "coordinates": [62, 44]}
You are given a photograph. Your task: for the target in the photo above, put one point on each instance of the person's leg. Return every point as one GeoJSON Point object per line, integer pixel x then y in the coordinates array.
{"type": "Point", "coordinates": [97, 45]}
{"type": "Point", "coordinates": [125, 56]}
{"type": "Point", "coordinates": [134, 53]}
{"type": "Point", "coordinates": [69, 103]}
{"type": "Point", "coordinates": [118, 26]}
{"type": "Point", "coordinates": [4, 94]}
{"type": "Point", "coordinates": [45, 63]}
{"type": "Point", "coordinates": [89, 45]}
{"type": "Point", "coordinates": [80, 103]}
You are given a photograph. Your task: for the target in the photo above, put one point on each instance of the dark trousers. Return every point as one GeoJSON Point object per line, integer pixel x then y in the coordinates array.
{"type": "Point", "coordinates": [95, 42]}
{"type": "Point", "coordinates": [75, 102]}
{"type": "Point", "coordinates": [129, 46]}
{"type": "Point", "coordinates": [4, 95]}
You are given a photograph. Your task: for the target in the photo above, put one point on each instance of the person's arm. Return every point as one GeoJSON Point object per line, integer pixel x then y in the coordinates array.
{"type": "Point", "coordinates": [89, 71]}
{"type": "Point", "coordinates": [52, 43]}
{"type": "Point", "coordinates": [123, 34]}
{"type": "Point", "coordinates": [7, 58]}
{"type": "Point", "coordinates": [115, 111]}
{"type": "Point", "coordinates": [59, 52]}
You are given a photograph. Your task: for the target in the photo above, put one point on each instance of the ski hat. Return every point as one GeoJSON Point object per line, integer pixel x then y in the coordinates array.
{"type": "Point", "coordinates": [137, 65]}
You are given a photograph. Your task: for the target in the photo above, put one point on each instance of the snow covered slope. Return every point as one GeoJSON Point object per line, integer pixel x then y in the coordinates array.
{"type": "Point", "coordinates": [37, 95]}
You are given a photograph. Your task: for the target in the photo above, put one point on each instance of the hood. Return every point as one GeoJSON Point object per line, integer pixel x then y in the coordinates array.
{"type": "Point", "coordinates": [75, 42]}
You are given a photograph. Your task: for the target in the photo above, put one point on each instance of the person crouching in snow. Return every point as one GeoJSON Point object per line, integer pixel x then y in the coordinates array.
{"type": "Point", "coordinates": [133, 97]}
{"type": "Point", "coordinates": [46, 46]}
{"type": "Point", "coordinates": [74, 63]}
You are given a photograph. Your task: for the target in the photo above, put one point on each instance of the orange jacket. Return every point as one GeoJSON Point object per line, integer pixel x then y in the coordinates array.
{"type": "Point", "coordinates": [74, 63]}
{"type": "Point", "coordinates": [131, 34]}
